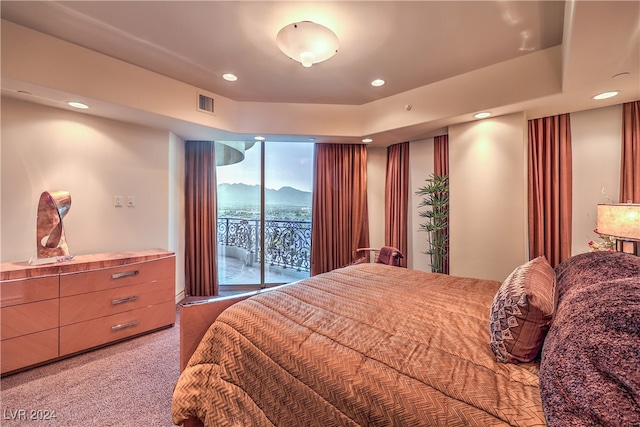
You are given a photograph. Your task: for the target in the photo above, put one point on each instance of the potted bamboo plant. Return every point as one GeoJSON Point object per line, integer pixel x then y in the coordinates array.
{"type": "Point", "coordinates": [435, 197]}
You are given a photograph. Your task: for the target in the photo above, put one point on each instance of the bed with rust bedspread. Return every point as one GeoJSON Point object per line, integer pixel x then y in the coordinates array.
{"type": "Point", "coordinates": [368, 345]}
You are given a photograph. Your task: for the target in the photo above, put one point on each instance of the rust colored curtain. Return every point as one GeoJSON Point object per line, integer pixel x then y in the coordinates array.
{"type": "Point", "coordinates": [200, 219]}
{"type": "Point", "coordinates": [441, 155]}
{"type": "Point", "coordinates": [441, 168]}
{"type": "Point", "coordinates": [630, 168]}
{"type": "Point", "coordinates": [340, 222]}
{"type": "Point", "coordinates": [549, 182]}
{"type": "Point", "coordinates": [396, 199]}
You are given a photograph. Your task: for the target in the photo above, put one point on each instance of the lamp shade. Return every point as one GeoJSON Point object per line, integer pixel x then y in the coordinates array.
{"type": "Point", "coordinates": [620, 220]}
{"type": "Point", "coordinates": [307, 42]}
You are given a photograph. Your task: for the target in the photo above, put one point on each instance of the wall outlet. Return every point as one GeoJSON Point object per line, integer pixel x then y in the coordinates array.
{"type": "Point", "coordinates": [118, 201]}
{"type": "Point", "coordinates": [131, 201]}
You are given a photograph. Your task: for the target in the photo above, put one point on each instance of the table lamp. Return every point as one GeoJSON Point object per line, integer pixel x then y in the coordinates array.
{"type": "Point", "coordinates": [621, 221]}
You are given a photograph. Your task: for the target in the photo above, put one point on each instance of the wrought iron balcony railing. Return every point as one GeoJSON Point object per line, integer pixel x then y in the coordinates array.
{"type": "Point", "coordinates": [287, 244]}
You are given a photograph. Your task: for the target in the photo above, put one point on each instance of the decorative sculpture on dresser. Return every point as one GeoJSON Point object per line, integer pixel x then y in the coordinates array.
{"type": "Point", "coordinates": [51, 240]}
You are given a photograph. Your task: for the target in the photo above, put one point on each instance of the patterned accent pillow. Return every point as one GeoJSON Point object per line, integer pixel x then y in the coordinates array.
{"type": "Point", "coordinates": [522, 311]}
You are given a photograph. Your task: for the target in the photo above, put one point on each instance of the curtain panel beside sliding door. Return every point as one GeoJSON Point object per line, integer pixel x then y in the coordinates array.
{"type": "Point", "coordinates": [549, 182]}
{"type": "Point", "coordinates": [200, 219]}
{"type": "Point", "coordinates": [630, 168]}
{"type": "Point", "coordinates": [396, 199]}
{"type": "Point", "coordinates": [340, 220]}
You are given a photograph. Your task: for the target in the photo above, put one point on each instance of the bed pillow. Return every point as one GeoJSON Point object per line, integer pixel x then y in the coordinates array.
{"type": "Point", "coordinates": [522, 310]}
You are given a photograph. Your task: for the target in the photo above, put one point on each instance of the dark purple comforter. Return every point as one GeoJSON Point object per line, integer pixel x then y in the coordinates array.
{"type": "Point", "coordinates": [590, 368]}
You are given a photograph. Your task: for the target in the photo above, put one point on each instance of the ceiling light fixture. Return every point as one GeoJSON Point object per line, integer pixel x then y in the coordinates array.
{"type": "Point", "coordinates": [307, 42]}
{"type": "Point", "coordinates": [377, 82]}
{"type": "Point", "coordinates": [259, 138]}
{"type": "Point", "coordinates": [79, 105]}
{"type": "Point", "coordinates": [229, 77]}
{"type": "Point", "coordinates": [482, 115]}
{"type": "Point", "coordinates": [367, 140]}
{"type": "Point", "coordinates": [606, 95]}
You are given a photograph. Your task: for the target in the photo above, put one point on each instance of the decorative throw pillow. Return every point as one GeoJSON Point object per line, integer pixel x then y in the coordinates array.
{"type": "Point", "coordinates": [522, 311]}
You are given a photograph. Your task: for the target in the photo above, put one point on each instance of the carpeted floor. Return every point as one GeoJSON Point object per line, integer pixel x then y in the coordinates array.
{"type": "Point", "coordinates": [126, 384]}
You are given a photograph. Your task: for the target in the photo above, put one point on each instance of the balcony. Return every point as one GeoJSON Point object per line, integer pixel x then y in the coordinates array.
{"type": "Point", "coordinates": [287, 249]}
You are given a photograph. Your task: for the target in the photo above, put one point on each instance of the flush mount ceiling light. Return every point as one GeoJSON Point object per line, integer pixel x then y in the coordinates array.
{"type": "Point", "coordinates": [79, 105]}
{"type": "Point", "coordinates": [378, 83]}
{"type": "Point", "coordinates": [230, 77]}
{"type": "Point", "coordinates": [307, 42]}
{"type": "Point", "coordinates": [482, 115]}
{"type": "Point", "coordinates": [605, 95]}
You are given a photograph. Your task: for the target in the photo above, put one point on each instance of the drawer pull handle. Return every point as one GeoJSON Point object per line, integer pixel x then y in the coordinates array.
{"type": "Point", "coordinates": [124, 274]}
{"type": "Point", "coordinates": [124, 326]}
{"type": "Point", "coordinates": [122, 300]}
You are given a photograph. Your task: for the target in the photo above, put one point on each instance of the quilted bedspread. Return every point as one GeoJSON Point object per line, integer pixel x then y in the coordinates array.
{"type": "Point", "coordinates": [368, 345]}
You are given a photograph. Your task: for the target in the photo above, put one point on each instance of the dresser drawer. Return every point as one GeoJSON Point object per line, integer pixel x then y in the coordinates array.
{"type": "Point", "coordinates": [22, 291]}
{"type": "Point", "coordinates": [28, 350]}
{"type": "Point", "coordinates": [93, 333]}
{"type": "Point", "coordinates": [82, 307]}
{"type": "Point", "coordinates": [26, 319]}
{"type": "Point", "coordinates": [115, 277]}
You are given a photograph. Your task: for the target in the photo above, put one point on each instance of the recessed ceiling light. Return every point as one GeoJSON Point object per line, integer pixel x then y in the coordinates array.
{"type": "Point", "coordinates": [259, 138]}
{"type": "Point", "coordinates": [482, 115]}
{"type": "Point", "coordinates": [605, 95]}
{"type": "Point", "coordinates": [367, 140]}
{"type": "Point", "coordinates": [377, 82]}
{"type": "Point", "coordinates": [230, 77]}
{"type": "Point", "coordinates": [79, 105]}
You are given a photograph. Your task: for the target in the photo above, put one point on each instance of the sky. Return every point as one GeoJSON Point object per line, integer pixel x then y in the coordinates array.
{"type": "Point", "coordinates": [288, 164]}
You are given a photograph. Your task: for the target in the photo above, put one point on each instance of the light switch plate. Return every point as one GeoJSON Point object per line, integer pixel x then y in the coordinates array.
{"type": "Point", "coordinates": [131, 201]}
{"type": "Point", "coordinates": [118, 201]}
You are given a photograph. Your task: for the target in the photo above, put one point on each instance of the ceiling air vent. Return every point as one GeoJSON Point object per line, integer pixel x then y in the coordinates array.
{"type": "Point", "coordinates": [205, 103]}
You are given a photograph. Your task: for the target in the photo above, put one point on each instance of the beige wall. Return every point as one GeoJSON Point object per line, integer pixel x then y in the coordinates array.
{"type": "Point", "coordinates": [421, 164]}
{"type": "Point", "coordinates": [596, 147]}
{"type": "Point", "coordinates": [376, 176]}
{"type": "Point", "coordinates": [176, 225]}
{"type": "Point", "coordinates": [487, 164]}
{"type": "Point", "coordinates": [95, 159]}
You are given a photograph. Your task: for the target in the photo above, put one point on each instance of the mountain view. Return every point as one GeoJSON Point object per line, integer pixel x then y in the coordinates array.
{"type": "Point", "coordinates": [243, 201]}
{"type": "Point", "coordinates": [243, 194]}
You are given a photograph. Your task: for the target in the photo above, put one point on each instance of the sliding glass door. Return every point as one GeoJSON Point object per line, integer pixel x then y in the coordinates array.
{"type": "Point", "coordinates": [264, 216]}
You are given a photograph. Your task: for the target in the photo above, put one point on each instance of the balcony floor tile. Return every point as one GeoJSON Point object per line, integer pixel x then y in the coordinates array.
{"type": "Point", "coordinates": [234, 272]}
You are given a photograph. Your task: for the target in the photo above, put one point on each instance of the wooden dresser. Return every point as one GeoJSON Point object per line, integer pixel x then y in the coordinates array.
{"type": "Point", "coordinates": [53, 311]}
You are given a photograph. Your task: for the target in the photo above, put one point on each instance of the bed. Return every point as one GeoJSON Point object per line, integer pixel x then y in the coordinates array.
{"type": "Point", "coordinates": [377, 345]}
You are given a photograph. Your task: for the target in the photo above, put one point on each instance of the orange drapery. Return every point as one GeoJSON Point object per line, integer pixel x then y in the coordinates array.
{"type": "Point", "coordinates": [441, 168]}
{"type": "Point", "coordinates": [441, 155]}
{"type": "Point", "coordinates": [396, 200]}
{"type": "Point", "coordinates": [550, 181]}
{"type": "Point", "coordinates": [340, 222]}
{"type": "Point", "coordinates": [200, 219]}
{"type": "Point", "coordinates": [630, 168]}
